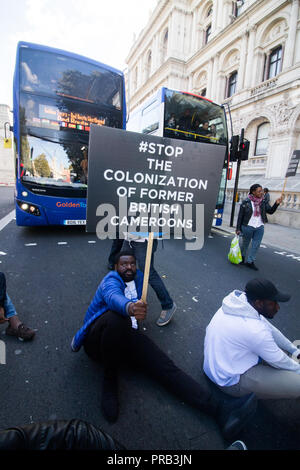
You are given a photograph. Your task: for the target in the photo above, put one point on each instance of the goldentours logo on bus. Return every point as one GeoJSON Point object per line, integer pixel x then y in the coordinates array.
{"type": "Point", "coordinates": [71, 204]}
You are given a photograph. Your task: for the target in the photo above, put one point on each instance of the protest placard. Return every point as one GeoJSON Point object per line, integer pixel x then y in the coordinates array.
{"type": "Point", "coordinates": [144, 183]}
{"type": "Point", "coordinates": [293, 164]}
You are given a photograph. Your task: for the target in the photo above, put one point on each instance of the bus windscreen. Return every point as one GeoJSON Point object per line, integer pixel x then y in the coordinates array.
{"type": "Point", "coordinates": [55, 164]}
{"type": "Point", "coordinates": [194, 118]}
{"type": "Point", "coordinates": [59, 75]}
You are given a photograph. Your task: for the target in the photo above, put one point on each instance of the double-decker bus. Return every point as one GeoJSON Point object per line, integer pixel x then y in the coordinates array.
{"type": "Point", "coordinates": [185, 116]}
{"type": "Point", "coordinates": [57, 96]}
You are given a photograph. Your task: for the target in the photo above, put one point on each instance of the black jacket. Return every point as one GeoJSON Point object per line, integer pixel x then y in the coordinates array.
{"type": "Point", "coordinates": [57, 435]}
{"type": "Point", "coordinates": [245, 212]}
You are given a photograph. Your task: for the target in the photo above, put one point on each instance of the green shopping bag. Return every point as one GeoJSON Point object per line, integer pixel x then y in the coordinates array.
{"type": "Point", "coordinates": [235, 255]}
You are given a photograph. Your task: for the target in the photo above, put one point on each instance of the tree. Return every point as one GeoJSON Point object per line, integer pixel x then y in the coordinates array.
{"type": "Point", "coordinates": [41, 166]}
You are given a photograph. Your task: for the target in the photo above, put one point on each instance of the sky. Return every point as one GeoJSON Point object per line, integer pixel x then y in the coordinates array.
{"type": "Point", "coordinates": [99, 29]}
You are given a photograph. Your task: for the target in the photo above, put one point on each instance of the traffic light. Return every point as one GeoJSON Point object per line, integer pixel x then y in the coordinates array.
{"type": "Point", "coordinates": [234, 148]}
{"type": "Point", "coordinates": [244, 149]}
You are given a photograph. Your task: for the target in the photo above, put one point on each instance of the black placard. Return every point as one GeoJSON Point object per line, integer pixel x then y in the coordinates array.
{"type": "Point", "coordinates": [293, 165]}
{"type": "Point", "coordinates": [152, 170]}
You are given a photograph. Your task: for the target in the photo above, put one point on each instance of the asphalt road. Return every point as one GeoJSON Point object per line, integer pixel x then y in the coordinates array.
{"type": "Point", "coordinates": [52, 274]}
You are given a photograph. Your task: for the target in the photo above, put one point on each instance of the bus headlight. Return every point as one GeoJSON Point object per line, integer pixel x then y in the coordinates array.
{"type": "Point", "coordinates": [30, 208]}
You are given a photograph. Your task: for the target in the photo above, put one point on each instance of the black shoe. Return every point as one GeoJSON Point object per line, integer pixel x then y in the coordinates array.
{"type": "Point", "coordinates": [109, 400]}
{"type": "Point", "coordinates": [251, 266]}
{"type": "Point", "coordinates": [243, 260]}
{"type": "Point", "coordinates": [234, 414]}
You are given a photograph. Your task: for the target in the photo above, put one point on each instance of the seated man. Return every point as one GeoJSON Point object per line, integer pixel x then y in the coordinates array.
{"type": "Point", "coordinates": [239, 337]}
{"type": "Point", "coordinates": [9, 315]}
{"type": "Point", "coordinates": [110, 335]}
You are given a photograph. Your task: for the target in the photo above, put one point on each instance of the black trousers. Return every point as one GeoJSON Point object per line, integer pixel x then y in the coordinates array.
{"type": "Point", "coordinates": [112, 341]}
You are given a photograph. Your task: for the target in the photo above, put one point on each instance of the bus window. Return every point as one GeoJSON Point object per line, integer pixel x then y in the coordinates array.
{"type": "Point", "coordinates": [59, 164]}
{"type": "Point", "coordinates": [193, 118]}
{"type": "Point", "coordinates": [53, 74]}
{"type": "Point", "coordinates": [150, 118]}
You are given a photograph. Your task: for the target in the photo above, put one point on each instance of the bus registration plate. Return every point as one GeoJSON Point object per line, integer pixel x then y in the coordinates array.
{"type": "Point", "coordinates": [74, 222]}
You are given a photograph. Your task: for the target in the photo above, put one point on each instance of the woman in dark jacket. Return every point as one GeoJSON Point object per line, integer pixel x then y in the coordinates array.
{"type": "Point", "coordinates": [251, 219]}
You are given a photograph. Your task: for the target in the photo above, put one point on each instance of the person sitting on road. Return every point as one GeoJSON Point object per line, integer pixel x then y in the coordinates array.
{"type": "Point", "coordinates": [8, 314]}
{"type": "Point", "coordinates": [110, 335]}
{"type": "Point", "coordinates": [239, 337]}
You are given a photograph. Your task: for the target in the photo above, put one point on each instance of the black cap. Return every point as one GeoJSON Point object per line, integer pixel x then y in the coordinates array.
{"type": "Point", "coordinates": [263, 289]}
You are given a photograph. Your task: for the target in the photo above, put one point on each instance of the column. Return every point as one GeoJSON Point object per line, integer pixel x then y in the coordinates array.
{"type": "Point", "coordinates": [194, 33]}
{"type": "Point", "coordinates": [250, 58]}
{"type": "Point", "coordinates": [209, 78]}
{"type": "Point", "coordinates": [214, 22]}
{"type": "Point", "coordinates": [174, 28]}
{"type": "Point", "coordinates": [221, 11]}
{"type": "Point", "coordinates": [214, 82]}
{"type": "Point", "coordinates": [291, 40]}
{"type": "Point", "coordinates": [227, 11]}
{"type": "Point", "coordinates": [243, 61]}
{"type": "Point", "coordinates": [258, 65]}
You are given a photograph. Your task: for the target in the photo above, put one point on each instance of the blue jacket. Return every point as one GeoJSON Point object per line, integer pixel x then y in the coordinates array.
{"type": "Point", "coordinates": [109, 296]}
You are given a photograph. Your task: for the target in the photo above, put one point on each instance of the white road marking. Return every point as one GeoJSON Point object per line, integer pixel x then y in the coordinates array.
{"type": "Point", "coordinates": [8, 218]}
{"type": "Point", "coordinates": [284, 253]}
{"type": "Point", "coordinates": [91, 241]}
{"type": "Point", "coordinates": [30, 244]}
{"type": "Point", "coordinates": [62, 243]}
{"type": "Point", "coordinates": [2, 253]}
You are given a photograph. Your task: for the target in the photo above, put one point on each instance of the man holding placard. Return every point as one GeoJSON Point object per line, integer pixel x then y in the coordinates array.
{"type": "Point", "coordinates": [110, 335]}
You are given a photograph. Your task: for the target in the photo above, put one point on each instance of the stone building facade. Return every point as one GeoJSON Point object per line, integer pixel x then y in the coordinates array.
{"type": "Point", "coordinates": [242, 53]}
{"type": "Point", "coordinates": [7, 168]}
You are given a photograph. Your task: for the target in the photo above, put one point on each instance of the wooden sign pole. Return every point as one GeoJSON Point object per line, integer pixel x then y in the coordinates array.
{"type": "Point", "coordinates": [147, 267]}
{"type": "Point", "coordinates": [284, 186]}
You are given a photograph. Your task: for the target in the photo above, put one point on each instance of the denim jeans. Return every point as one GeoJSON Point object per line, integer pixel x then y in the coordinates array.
{"type": "Point", "coordinates": [9, 308]}
{"type": "Point", "coordinates": [251, 234]}
{"type": "Point", "coordinates": [140, 251]}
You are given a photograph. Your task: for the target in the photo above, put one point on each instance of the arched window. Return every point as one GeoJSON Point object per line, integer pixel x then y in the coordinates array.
{"type": "Point", "coordinates": [231, 84]}
{"type": "Point", "coordinates": [262, 139]}
{"type": "Point", "coordinates": [207, 33]}
{"type": "Point", "coordinates": [274, 66]}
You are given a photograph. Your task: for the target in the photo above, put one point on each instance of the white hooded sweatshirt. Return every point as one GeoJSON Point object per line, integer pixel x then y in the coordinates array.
{"type": "Point", "coordinates": [237, 337]}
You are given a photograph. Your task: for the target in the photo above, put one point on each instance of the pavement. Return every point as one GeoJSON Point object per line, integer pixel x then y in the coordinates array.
{"type": "Point", "coordinates": [286, 239]}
